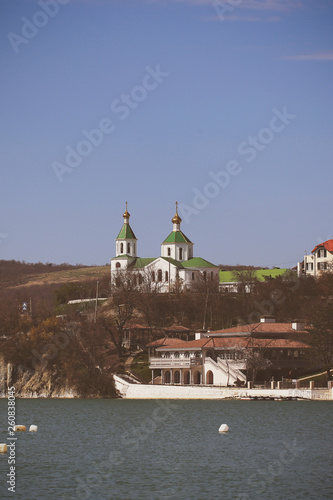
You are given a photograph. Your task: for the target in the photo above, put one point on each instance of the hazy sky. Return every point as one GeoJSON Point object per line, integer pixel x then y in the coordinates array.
{"type": "Point", "coordinates": [223, 106]}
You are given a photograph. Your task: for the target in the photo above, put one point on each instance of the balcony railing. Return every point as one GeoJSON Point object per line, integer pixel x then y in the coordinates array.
{"type": "Point", "coordinates": [174, 362]}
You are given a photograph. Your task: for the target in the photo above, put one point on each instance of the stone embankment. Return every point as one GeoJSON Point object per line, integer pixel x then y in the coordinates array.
{"type": "Point", "coordinates": [133, 390]}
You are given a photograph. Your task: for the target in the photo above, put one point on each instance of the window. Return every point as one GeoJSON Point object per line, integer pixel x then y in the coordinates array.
{"type": "Point", "coordinates": [193, 276]}
{"type": "Point", "coordinates": [169, 251]}
{"type": "Point", "coordinates": [325, 253]}
{"type": "Point", "coordinates": [180, 254]}
{"type": "Point", "coordinates": [307, 266]}
{"type": "Point", "coordinates": [121, 247]}
{"type": "Point", "coordinates": [118, 264]}
{"type": "Point", "coordinates": [311, 266]}
{"type": "Point", "coordinates": [204, 275]}
{"type": "Point", "coordinates": [159, 275]}
{"type": "Point", "coordinates": [153, 276]}
{"type": "Point", "coordinates": [128, 248]}
{"type": "Point", "coordinates": [166, 276]}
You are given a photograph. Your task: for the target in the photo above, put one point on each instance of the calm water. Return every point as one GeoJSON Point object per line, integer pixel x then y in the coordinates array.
{"type": "Point", "coordinates": [118, 449]}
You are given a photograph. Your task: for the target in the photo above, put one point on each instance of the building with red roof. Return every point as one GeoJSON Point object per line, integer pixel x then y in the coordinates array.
{"type": "Point", "coordinates": [227, 357]}
{"type": "Point", "coordinates": [320, 260]}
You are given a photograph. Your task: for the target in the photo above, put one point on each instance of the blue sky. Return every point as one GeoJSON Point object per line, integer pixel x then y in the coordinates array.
{"type": "Point", "coordinates": [188, 98]}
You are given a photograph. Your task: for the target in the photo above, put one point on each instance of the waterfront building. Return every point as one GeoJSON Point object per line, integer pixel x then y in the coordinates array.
{"type": "Point", "coordinates": [225, 357]}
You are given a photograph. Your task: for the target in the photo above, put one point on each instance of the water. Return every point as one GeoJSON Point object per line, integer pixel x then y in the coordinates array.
{"type": "Point", "coordinates": [124, 450]}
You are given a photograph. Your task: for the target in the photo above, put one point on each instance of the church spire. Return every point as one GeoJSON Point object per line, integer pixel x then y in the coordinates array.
{"type": "Point", "coordinates": [176, 220]}
{"type": "Point", "coordinates": [126, 215]}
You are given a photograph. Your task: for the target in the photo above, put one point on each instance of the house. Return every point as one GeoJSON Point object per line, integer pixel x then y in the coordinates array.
{"type": "Point", "coordinates": [175, 267]}
{"type": "Point", "coordinates": [229, 283]}
{"type": "Point", "coordinates": [320, 260]}
{"type": "Point", "coordinates": [225, 357]}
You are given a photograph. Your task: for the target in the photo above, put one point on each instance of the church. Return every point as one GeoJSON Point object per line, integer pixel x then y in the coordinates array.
{"type": "Point", "coordinates": [174, 268]}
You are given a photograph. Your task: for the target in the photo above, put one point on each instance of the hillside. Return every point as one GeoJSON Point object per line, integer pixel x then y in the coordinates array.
{"type": "Point", "coordinates": [17, 274]}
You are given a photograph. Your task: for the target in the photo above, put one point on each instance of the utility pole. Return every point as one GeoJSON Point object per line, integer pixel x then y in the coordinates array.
{"type": "Point", "coordinates": [96, 303]}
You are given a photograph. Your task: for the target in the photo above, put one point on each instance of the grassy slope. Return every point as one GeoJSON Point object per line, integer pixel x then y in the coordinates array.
{"type": "Point", "coordinates": [17, 274]}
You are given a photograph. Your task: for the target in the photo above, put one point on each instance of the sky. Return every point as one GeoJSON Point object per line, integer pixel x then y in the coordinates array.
{"type": "Point", "coordinates": [223, 106]}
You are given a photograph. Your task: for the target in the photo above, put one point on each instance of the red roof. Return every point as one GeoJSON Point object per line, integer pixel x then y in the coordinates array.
{"type": "Point", "coordinates": [176, 328]}
{"type": "Point", "coordinates": [244, 342]}
{"type": "Point", "coordinates": [136, 326]}
{"type": "Point", "coordinates": [259, 328]}
{"type": "Point", "coordinates": [328, 245]}
{"type": "Point", "coordinates": [165, 341]}
{"type": "Point", "coordinates": [228, 343]}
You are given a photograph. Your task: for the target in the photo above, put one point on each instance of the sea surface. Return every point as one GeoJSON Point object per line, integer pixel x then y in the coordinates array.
{"type": "Point", "coordinates": [148, 449]}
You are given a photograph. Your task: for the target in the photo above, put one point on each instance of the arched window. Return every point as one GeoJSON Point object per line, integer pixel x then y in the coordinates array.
{"type": "Point", "coordinates": [169, 251]}
{"type": "Point", "coordinates": [121, 247]}
{"type": "Point", "coordinates": [159, 274]}
{"type": "Point", "coordinates": [187, 377]}
{"type": "Point", "coordinates": [153, 276]}
{"type": "Point", "coordinates": [176, 355]}
{"type": "Point", "coordinates": [118, 264]}
{"type": "Point", "coordinates": [180, 254]}
{"type": "Point", "coordinates": [176, 377]}
{"type": "Point", "coordinates": [167, 377]}
{"type": "Point", "coordinates": [128, 248]}
{"type": "Point", "coordinates": [209, 377]}
{"type": "Point", "coordinates": [166, 276]}
{"type": "Point", "coordinates": [197, 378]}
{"type": "Point", "coordinates": [204, 275]}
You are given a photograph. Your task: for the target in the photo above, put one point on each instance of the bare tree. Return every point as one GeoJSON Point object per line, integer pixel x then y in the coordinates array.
{"type": "Point", "coordinates": [255, 356]}
{"type": "Point", "coordinates": [321, 335]}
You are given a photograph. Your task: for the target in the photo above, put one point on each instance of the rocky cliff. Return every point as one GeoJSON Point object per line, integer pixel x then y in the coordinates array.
{"type": "Point", "coordinates": [33, 383]}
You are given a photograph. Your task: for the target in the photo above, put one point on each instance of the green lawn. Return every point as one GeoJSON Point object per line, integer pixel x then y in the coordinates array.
{"type": "Point", "coordinates": [139, 367]}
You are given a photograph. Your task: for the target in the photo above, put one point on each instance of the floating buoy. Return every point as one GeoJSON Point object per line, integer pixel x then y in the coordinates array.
{"type": "Point", "coordinates": [224, 428]}
{"type": "Point", "coordinates": [33, 428]}
{"type": "Point", "coordinates": [3, 448]}
{"type": "Point", "coordinates": [18, 428]}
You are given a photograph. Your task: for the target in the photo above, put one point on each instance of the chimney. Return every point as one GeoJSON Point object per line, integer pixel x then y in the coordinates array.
{"type": "Point", "coordinates": [199, 334]}
{"type": "Point", "coordinates": [267, 319]}
{"type": "Point", "coordinates": [297, 324]}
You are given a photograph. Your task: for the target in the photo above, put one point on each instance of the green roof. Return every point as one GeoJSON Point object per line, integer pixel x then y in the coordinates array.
{"type": "Point", "coordinates": [123, 256]}
{"type": "Point", "coordinates": [198, 262]}
{"type": "Point", "coordinates": [174, 262]}
{"type": "Point", "coordinates": [260, 274]}
{"type": "Point", "coordinates": [126, 233]}
{"type": "Point", "coordinates": [177, 237]}
{"type": "Point", "coordinates": [142, 262]}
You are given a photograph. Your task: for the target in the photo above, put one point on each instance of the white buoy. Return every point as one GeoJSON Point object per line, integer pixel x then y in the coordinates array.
{"type": "Point", "coordinates": [3, 448]}
{"type": "Point", "coordinates": [224, 428]}
{"type": "Point", "coordinates": [18, 428]}
{"type": "Point", "coordinates": [33, 428]}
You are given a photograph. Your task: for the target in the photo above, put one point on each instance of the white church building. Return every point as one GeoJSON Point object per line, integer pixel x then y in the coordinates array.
{"type": "Point", "coordinates": [176, 266]}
